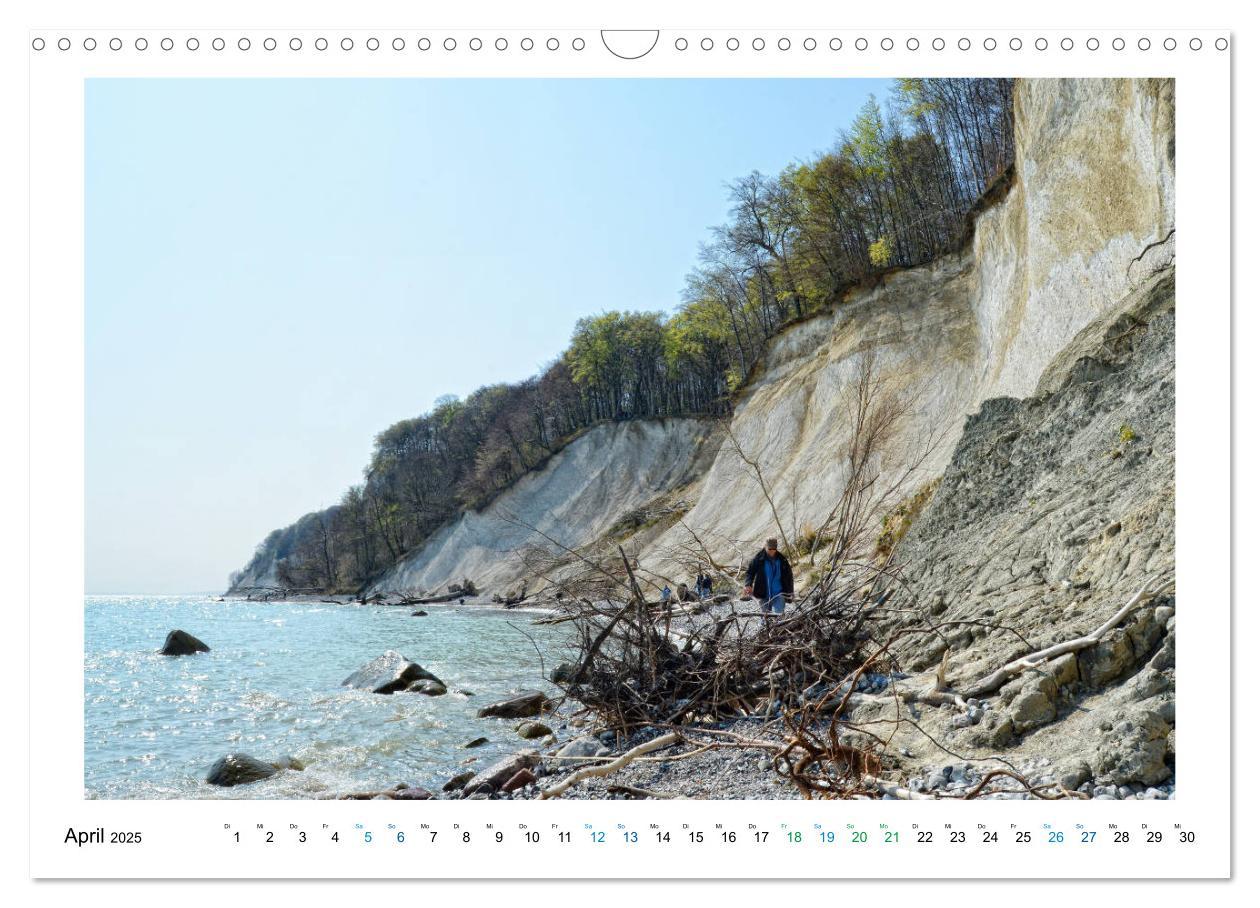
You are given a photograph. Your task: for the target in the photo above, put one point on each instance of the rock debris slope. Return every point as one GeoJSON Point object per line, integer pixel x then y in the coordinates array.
{"type": "Point", "coordinates": [1053, 512]}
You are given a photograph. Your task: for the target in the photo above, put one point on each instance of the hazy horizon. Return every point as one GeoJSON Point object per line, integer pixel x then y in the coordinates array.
{"type": "Point", "coordinates": [279, 269]}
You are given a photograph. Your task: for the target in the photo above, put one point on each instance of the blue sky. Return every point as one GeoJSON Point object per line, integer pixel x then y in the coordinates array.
{"type": "Point", "coordinates": [279, 269]}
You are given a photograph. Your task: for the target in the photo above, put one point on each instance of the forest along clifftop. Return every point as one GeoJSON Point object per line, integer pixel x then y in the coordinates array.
{"type": "Point", "coordinates": [1084, 221]}
{"type": "Point", "coordinates": [1087, 217]}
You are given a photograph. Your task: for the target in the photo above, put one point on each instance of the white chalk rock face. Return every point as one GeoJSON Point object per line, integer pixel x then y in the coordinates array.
{"type": "Point", "coordinates": [581, 493]}
{"type": "Point", "coordinates": [916, 334]}
{"type": "Point", "coordinates": [1087, 219]}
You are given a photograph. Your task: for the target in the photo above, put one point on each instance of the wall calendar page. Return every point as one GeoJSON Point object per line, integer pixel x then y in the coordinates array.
{"type": "Point", "coordinates": [626, 445]}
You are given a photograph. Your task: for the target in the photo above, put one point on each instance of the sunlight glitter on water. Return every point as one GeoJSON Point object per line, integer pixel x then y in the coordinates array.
{"type": "Point", "coordinates": [270, 686]}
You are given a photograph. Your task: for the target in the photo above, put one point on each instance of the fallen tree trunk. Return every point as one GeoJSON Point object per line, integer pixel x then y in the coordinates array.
{"type": "Point", "coordinates": [430, 600]}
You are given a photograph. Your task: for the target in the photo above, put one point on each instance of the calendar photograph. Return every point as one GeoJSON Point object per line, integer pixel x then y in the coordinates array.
{"type": "Point", "coordinates": [630, 439]}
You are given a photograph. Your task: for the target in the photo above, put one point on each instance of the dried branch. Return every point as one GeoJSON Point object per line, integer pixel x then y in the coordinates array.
{"type": "Point", "coordinates": [590, 772]}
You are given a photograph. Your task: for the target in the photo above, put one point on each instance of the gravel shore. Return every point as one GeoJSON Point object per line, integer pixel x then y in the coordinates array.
{"type": "Point", "coordinates": [741, 773]}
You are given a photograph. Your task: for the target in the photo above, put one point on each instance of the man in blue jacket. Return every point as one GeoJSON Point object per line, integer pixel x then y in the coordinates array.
{"type": "Point", "coordinates": [769, 579]}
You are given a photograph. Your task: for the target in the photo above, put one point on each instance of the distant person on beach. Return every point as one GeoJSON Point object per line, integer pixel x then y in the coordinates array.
{"type": "Point", "coordinates": [665, 594]}
{"type": "Point", "coordinates": [769, 579]}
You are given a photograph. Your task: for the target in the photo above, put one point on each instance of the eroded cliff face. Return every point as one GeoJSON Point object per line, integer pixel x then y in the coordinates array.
{"type": "Point", "coordinates": [1087, 219]}
{"type": "Point", "coordinates": [582, 493]}
{"type": "Point", "coordinates": [1055, 510]}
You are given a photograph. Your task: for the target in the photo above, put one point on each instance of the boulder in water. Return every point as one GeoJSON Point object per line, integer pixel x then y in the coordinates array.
{"type": "Point", "coordinates": [242, 769]}
{"type": "Point", "coordinates": [388, 673]}
{"type": "Point", "coordinates": [428, 688]}
{"type": "Point", "coordinates": [182, 643]}
{"type": "Point", "coordinates": [521, 706]}
{"type": "Point", "coordinates": [531, 730]}
{"type": "Point", "coordinates": [419, 613]}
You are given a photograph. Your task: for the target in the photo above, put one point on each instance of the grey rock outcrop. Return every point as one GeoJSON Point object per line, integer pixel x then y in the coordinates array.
{"type": "Point", "coordinates": [389, 673]}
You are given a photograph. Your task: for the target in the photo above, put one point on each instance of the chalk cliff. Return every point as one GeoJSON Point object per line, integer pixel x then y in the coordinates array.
{"type": "Point", "coordinates": [1084, 220]}
{"type": "Point", "coordinates": [1087, 219]}
{"type": "Point", "coordinates": [608, 475]}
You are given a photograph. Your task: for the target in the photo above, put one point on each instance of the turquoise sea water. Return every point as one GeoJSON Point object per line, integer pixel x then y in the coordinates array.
{"type": "Point", "coordinates": [270, 687]}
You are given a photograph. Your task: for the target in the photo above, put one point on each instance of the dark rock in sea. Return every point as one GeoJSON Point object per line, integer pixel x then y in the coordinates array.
{"type": "Point", "coordinates": [419, 613]}
{"type": "Point", "coordinates": [531, 730]}
{"type": "Point", "coordinates": [522, 706]}
{"type": "Point", "coordinates": [494, 777]}
{"type": "Point", "coordinates": [428, 688]}
{"type": "Point", "coordinates": [477, 742]}
{"type": "Point", "coordinates": [388, 673]}
{"type": "Point", "coordinates": [458, 781]}
{"type": "Point", "coordinates": [519, 780]}
{"type": "Point", "coordinates": [182, 643]}
{"type": "Point", "coordinates": [413, 794]}
{"type": "Point", "coordinates": [242, 769]}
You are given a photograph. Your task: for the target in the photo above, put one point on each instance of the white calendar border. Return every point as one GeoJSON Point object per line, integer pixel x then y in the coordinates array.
{"type": "Point", "coordinates": [180, 841]}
